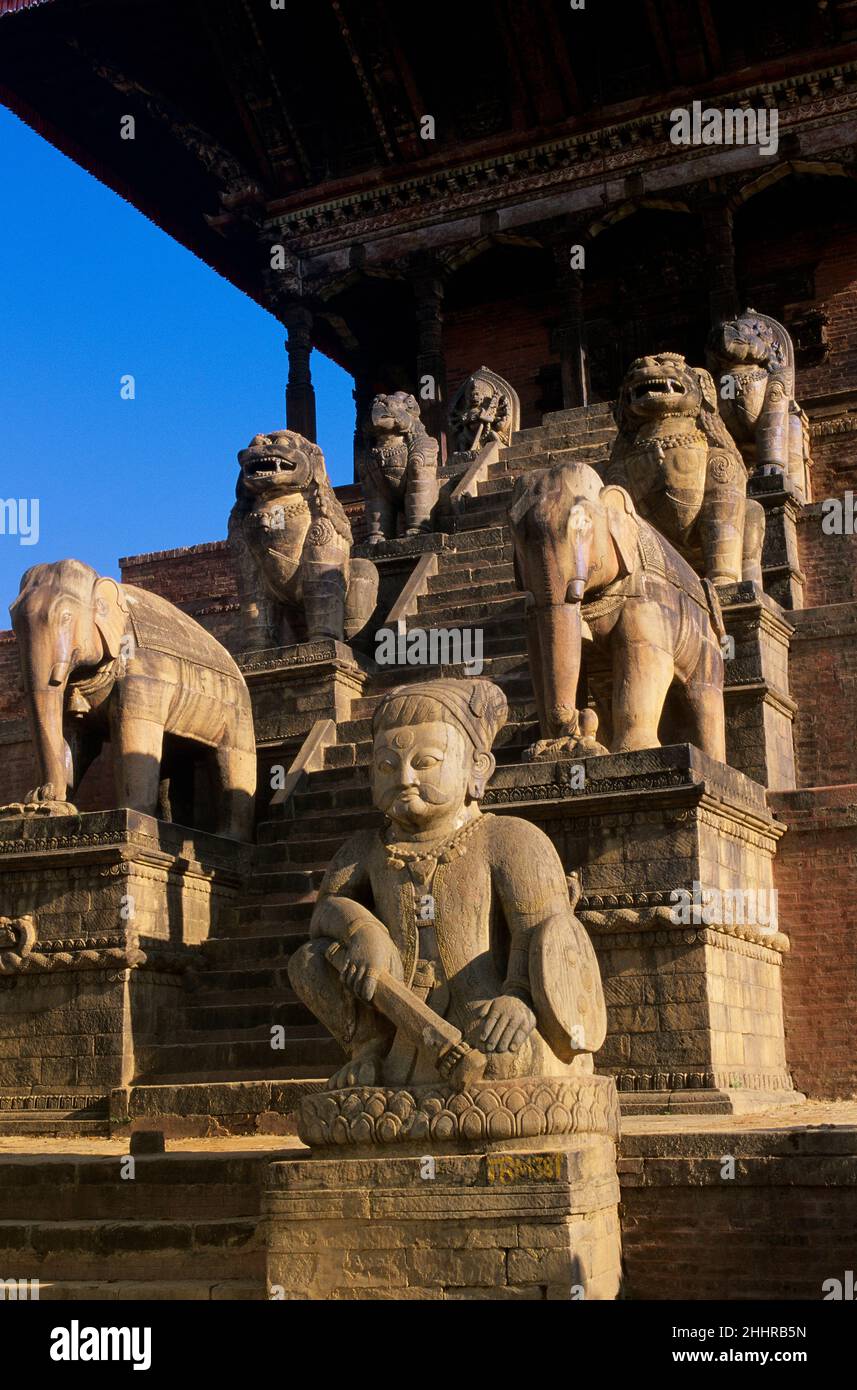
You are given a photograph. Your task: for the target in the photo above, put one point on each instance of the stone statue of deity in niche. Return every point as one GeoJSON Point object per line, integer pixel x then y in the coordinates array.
{"type": "Point", "coordinates": [445, 945]}
{"type": "Point", "coordinates": [484, 410]}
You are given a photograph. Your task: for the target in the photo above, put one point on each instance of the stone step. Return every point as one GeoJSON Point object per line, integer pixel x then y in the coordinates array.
{"type": "Point", "coordinates": [271, 949]}
{"type": "Point", "coordinates": [141, 1249]}
{"type": "Point", "coordinates": [239, 1054]}
{"type": "Point", "coordinates": [76, 1188]}
{"type": "Point", "coordinates": [464, 577]}
{"type": "Point", "coordinates": [238, 981]}
{"type": "Point", "coordinates": [486, 590]}
{"type": "Point", "coordinates": [152, 1290]}
{"type": "Point", "coordinates": [240, 1015]}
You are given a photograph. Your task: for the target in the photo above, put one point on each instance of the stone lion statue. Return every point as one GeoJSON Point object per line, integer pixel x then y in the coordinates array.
{"type": "Point", "coordinates": [675, 456]}
{"type": "Point", "coordinates": [398, 472]}
{"type": "Point", "coordinates": [291, 540]}
{"type": "Point", "coordinates": [752, 358]}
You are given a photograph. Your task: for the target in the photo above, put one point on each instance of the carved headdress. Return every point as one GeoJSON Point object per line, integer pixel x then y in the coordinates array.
{"type": "Point", "coordinates": [477, 707]}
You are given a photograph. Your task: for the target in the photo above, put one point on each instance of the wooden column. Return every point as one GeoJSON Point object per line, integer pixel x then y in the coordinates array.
{"type": "Point", "coordinates": [570, 334]}
{"type": "Point", "coordinates": [720, 251]}
{"type": "Point", "coordinates": [428, 300]}
{"type": "Point", "coordinates": [300, 393]}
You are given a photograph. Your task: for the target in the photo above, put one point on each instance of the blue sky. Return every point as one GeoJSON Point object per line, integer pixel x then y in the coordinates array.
{"type": "Point", "coordinates": [90, 290]}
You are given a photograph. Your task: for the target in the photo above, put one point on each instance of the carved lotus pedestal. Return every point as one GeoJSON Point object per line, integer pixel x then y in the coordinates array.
{"type": "Point", "coordinates": [506, 1190]}
{"type": "Point", "coordinates": [99, 915]}
{"type": "Point", "coordinates": [676, 857]}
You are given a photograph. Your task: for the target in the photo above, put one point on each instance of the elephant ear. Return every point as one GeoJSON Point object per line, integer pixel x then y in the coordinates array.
{"type": "Point", "coordinates": [624, 524]}
{"type": "Point", "coordinates": [707, 389]}
{"type": "Point", "coordinates": [111, 614]}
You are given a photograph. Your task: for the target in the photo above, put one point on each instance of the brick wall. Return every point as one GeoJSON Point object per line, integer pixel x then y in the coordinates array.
{"type": "Point", "coordinates": [823, 682]}
{"type": "Point", "coordinates": [512, 337]}
{"type": "Point", "coordinates": [778, 1229]}
{"type": "Point", "coordinates": [815, 872]}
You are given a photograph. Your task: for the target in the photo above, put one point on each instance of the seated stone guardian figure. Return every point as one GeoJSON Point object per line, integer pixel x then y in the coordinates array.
{"type": "Point", "coordinates": [291, 540]}
{"type": "Point", "coordinates": [398, 471]}
{"type": "Point", "coordinates": [445, 945]}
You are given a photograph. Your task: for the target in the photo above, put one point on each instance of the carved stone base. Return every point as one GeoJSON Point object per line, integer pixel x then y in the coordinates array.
{"type": "Point", "coordinates": [692, 981]}
{"type": "Point", "coordinates": [522, 1113]}
{"type": "Point", "coordinates": [99, 913]}
{"type": "Point", "coordinates": [293, 687]}
{"type": "Point", "coordinates": [20, 810]}
{"type": "Point", "coordinates": [499, 1225]}
{"type": "Point", "coordinates": [759, 709]}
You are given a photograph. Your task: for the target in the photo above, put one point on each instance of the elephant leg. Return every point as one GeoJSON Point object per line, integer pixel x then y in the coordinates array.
{"type": "Point", "coordinates": [324, 594]}
{"type": "Point", "coordinates": [234, 772]}
{"type": "Point", "coordinates": [642, 676]}
{"type": "Point", "coordinates": [536, 664]}
{"type": "Point", "coordinates": [704, 696]}
{"type": "Point", "coordinates": [85, 744]}
{"type": "Point", "coordinates": [754, 539]}
{"type": "Point", "coordinates": [138, 746]}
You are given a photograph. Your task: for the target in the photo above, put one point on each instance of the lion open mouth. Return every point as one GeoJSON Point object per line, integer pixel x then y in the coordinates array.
{"type": "Point", "coordinates": [658, 386]}
{"type": "Point", "coordinates": [269, 465]}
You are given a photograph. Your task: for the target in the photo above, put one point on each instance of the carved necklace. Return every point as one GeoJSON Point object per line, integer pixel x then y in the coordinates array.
{"type": "Point", "coordinates": [450, 848]}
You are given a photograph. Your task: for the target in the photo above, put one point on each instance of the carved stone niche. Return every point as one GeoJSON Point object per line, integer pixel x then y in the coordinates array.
{"type": "Point", "coordinates": [485, 409]}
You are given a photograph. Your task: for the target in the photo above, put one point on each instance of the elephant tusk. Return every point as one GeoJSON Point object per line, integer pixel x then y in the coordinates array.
{"type": "Point", "coordinates": [59, 673]}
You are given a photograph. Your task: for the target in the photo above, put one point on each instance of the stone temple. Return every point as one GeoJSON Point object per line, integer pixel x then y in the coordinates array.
{"type": "Point", "coordinates": [438, 881]}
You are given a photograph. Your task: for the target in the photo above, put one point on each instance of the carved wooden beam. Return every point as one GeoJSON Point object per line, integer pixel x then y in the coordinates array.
{"type": "Point", "coordinates": [238, 184]}
{"type": "Point", "coordinates": [234, 36]}
{"type": "Point", "coordinates": [363, 78]}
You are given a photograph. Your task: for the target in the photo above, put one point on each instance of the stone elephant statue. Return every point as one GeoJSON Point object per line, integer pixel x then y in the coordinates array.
{"type": "Point", "coordinates": [593, 567]}
{"type": "Point", "coordinates": [676, 458]}
{"type": "Point", "coordinates": [101, 660]}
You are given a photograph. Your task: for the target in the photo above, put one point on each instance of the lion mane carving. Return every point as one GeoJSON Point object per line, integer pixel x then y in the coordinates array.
{"type": "Point", "coordinates": [752, 356]}
{"type": "Point", "coordinates": [677, 459]}
{"type": "Point", "coordinates": [291, 540]}
{"type": "Point", "coordinates": [398, 471]}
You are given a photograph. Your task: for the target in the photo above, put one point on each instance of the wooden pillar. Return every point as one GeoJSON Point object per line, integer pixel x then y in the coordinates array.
{"type": "Point", "coordinates": [428, 301]}
{"type": "Point", "coordinates": [720, 252]}
{"type": "Point", "coordinates": [363, 393]}
{"type": "Point", "coordinates": [570, 334]}
{"type": "Point", "coordinates": [300, 393]}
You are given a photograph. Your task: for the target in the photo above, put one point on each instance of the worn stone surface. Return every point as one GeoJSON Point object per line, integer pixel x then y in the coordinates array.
{"type": "Point", "coordinates": [398, 469]}
{"type": "Point", "coordinates": [426, 982]}
{"type": "Point", "coordinates": [292, 542]}
{"type": "Point", "coordinates": [498, 1226]}
{"type": "Point", "coordinates": [680, 464]}
{"type": "Point", "coordinates": [590, 564]}
{"type": "Point", "coordinates": [105, 660]}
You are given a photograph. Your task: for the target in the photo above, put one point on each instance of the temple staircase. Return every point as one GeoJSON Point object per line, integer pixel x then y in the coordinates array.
{"type": "Point", "coordinates": [241, 991]}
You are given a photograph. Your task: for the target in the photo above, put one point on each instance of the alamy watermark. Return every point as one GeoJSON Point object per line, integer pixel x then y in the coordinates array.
{"type": "Point", "coordinates": [435, 646]}
{"type": "Point", "coordinates": [19, 516]}
{"type": "Point", "coordinates": [734, 125]}
{"type": "Point", "coordinates": [711, 907]}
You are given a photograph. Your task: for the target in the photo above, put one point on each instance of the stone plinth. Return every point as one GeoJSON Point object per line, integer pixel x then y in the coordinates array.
{"type": "Point", "coordinates": [693, 992]}
{"type": "Point", "coordinates": [539, 1224]}
{"type": "Point", "coordinates": [293, 687]}
{"type": "Point", "coordinates": [781, 571]}
{"type": "Point", "coordinates": [103, 911]}
{"type": "Point", "coordinates": [759, 709]}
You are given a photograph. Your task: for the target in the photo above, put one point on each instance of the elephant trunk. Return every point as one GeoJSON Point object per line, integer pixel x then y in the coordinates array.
{"type": "Point", "coordinates": [46, 720]}
{"type": "Point", "coordinates": [559, 632]}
